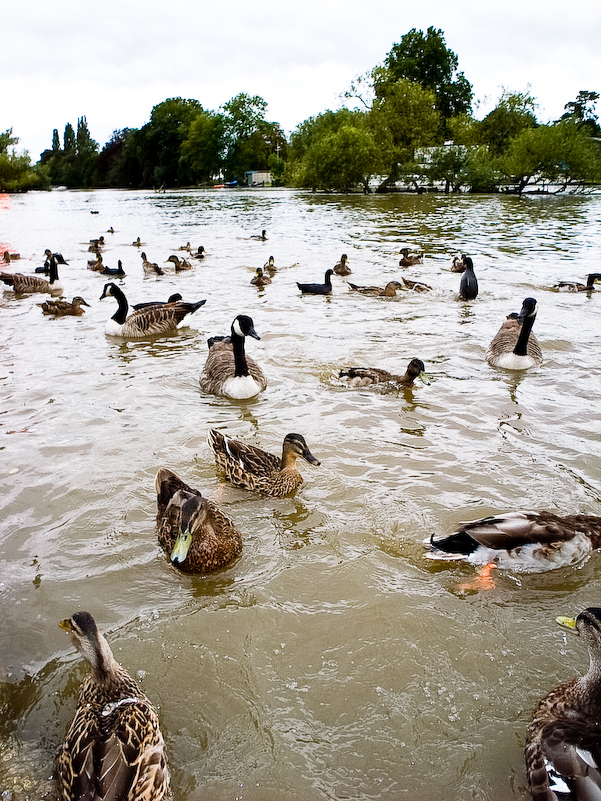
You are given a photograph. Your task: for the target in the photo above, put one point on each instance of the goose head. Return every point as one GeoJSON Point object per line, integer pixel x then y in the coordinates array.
{"type": "Point", "coordinates": [243, 326]}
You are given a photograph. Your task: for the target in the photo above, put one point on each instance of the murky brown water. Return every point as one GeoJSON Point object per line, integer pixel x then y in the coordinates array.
{"type": "Point", "coordinates": [331, 661]}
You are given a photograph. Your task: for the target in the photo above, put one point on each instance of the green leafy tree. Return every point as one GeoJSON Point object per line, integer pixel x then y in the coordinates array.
{"type": "Point", "coordinates": [56, 142]}
{"type": "Point", "coordinates": [513, 114]}
{"type": "Point", "coordinates": [16, 172]}
{"type": "Point", "coordinates": [69, 143]}
{"type": "Point", "coordinates": [246, 135]}
{"type": "Point", "coordinates": [582, 112]}
{"type": "Point", "coordinates": [203, 149]}
{"type": "Point", "coordinates": [159, 141]}
{"type": "Point", "coordinates": [117, 163]}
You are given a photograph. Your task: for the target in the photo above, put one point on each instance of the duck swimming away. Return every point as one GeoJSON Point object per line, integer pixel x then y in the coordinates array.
{"type": "Point", "coordinates": [318, 289]}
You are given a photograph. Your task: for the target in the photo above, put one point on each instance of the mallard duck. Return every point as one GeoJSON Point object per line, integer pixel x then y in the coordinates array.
{"type": "Point", "coordinates": [260, 279]}
{"type": "Point", "coordinates": [389, 290]}
{"type": "Point", "coordinates": [61, 308]}
{"type": "Point", "coordinates": [364, 376]}
{"type": "Point", "coordinates": [409, 259]}
{"type": "Point", "coordinates": [186, 247]}
{"type": "Point", "coordinates": [458, 264]}
{"type": "Point", "coordinates": [260, 238]}
{"type": "Point", "coordinates": [172, 299]}
{"type": "Point", "coordinates": [270, 266]}
{"type": "Point", "coordinates": [318, 289]}
{"type": "Point", "coordinates": [148, 321]}
{"type": "Point", "coordinates": [514, 347]}
{"type": "Point", "coordinates": [195, 534]}
{"type": "Point", "coordinates": [255, 469]}
{"type": "Point", "coordinates": [26, 284]}
{"type": "Point", "coordinates": [342, 268]}
{"type": "Point", "coordinates": [136, 243]}
{"type": "Point", "coordinates": [468, 286]}
{"type": "Point", "coordinates": [563, 743]}
{"type": "Point", "coordinates": [150, 267]}
{"type": "Point", "coordinates": [114, 749]}
{"type": "Point", "coordinates": [180, 264]}
{"type": "Point", "coordinates": [97, 243]}
{"type": "Point", "coordinates": [96, 264]}
{"type": "Point", "coordinates": [200, 253]}
{"type": "Point", "coordinates": [415, 286]}
{"type": "Point", "coordinates": [531, 541]}
{"type": "Point", "coordinates": [228, 371]}
{"type": "Point", "coordinates": [117, 271]}
{"type": "Point", "coordinates": [8, 257]}
{"type": "Point", "coordinates": [110, 230]}
{"type": "Point", "coordinates": [574, 286]}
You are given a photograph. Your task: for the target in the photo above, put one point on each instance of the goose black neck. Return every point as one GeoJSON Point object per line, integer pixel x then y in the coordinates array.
{"type": "Point", "coordinates": [240, 364]}
{"type": "Point", "coordinates": [53, 270]}
{"type": "Point", "coordinates": [120, 315]}
{"type": "Point", "coordinates": [521, 346]}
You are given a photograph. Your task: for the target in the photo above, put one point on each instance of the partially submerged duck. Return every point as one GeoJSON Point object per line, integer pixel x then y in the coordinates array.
{"type": "Point", "coordinates": [364, 376]}
{"type": "Point", "coordinates": [114, 748]}
{"type": "Point", "coordinates": [255, 469]}
{"type": "Point", "coordinates": [196, 535]}
{"type": "Point", "coordinates": [524, 540]}
{"type": "Point", "coordinates": [563, 743]}
{"type": "Point", "coordinates": [574, 286]}
{"type": "Point", "coordinates": [260, 279]}
{"type": "Point", "coordinates": [318, 289]}
{"type": "Point", "coordinates": [148, 321]}
{"type": "Point", "coordinates": [150, 267]}
{"type": "Point", "coordinates": [228, 371]}
{"type": "Point", "coordinates": [27, 284]}
{"type": "Point", "coordinates": [342, 268]}
{"type": "Point", "coordinates": [514, 346]}
{"type": "Point", "coordinates": [389, 291]}
{"type": "Point", "coordinates": [180, 264]}
{"type": "Point", "coordinates": [468, 286]}
{"type": "Point", "coordinates": [409, 259]}
{"type": "Point", "coordinates": [171, 299]}
{"type": "Point", "coordinates": [62, 308]}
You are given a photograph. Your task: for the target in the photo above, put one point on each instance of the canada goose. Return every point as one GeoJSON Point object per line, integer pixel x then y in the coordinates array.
{"type": "Point", "coordinates": [458, 264]}
{"type": "Point", "coordinates": [180, 264]}
{"type": "Point", "coordinates": [260, 279]}
{"type": "Point", "coordinates": [408, 260]}
{"type": "Point", "coordinates": [468, 286]}
{"type": "Point", "coordinates": [364, 376]}
{"type": "Point", "coordinates": [260, 238]}
{"type": "Point", "coordinates": [148, 321]}
{"type": "Point", "coordinates": [270, 266]}
{"type": "Point", "coordinates": [563, 743]}
{"type": "Point", "coordinates": [533, 541]}
{"type": "Point", "coordinates": [172, 299]}
{"type": "Point", "coordinates": [513, 346]}
{"type": "Point", "coordinates": [200, 253]}
{"type": "Point", "coordinates": [25, 284]}
{"type": "Point", "coordinates": [228, 371]}
{"type": "Point", "coordinates": [116, 271]}
{"type": "Point", "coordinates": [61, 308]}
{"type": "Point", "coordinates": [389, 291]}
{"type": "Point", "coordinates": [193, 531]}
{"type": "Point", "coordinates": [255, 469]}
{"type": "Point", "coordinates": [58, 256]}
{"type": "Point", "coordinates": [342, 268]}
{"type": "Point", "coordinates": [114, 748]}
{"type": "Point", "coordinates": [574, 286]}
{"type": "Point", "coordinates": [318, 289]}
{"type": "Point", "coordinates": [150, 267]}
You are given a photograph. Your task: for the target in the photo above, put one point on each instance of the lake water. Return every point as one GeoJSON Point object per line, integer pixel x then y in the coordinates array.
{"type": "Point", "coordinates": [331, 660]}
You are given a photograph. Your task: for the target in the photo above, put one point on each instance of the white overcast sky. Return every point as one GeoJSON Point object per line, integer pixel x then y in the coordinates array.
{"type": "Point", "coordinates": [113, 60]}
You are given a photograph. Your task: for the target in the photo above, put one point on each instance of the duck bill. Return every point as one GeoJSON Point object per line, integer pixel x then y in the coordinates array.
{"type": "Point", "coordinates": [567, 623]}
{"type": "Point", "coordinates": [308, 457]}
{"type": "Point", "coordinates": [181, 547]}
{"type": "Point", "coordinates": [424, 379]}
{"type": "Point", "coordinates": [65, 624]}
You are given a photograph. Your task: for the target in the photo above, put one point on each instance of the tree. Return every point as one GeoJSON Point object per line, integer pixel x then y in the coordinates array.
{"type": "Point", "coordinates": [69, 138]}
{"type": "Point", "coordinates": [56, 142]}
{"type": "Point", "coordinates": [202, 150]}
{"type": "Point", "coordinates": [513, 114]}
{"type": "Point", "coordinates": [244, 122]}
{"type": "Point", "coordinates": [425, 59]}
{"type": "Point", "coordinates": [159, 141]}
{"type": "Point", "coordinates": [582, 112]}
{"type": "Point", "coordinates": [16, 173]}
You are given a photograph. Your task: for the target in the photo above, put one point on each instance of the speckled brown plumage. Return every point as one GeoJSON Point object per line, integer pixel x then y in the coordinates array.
{"type": "Point", "coordinates": [364, 376]}
{"type": "Point", "coordinates": [389, 291]}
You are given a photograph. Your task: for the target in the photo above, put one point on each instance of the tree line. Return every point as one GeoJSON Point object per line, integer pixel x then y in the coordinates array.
{"type": "Point", "coordinates": [412, 126]}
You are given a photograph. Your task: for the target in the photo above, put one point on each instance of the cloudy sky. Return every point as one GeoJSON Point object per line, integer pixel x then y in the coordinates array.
{"type": "Point", "coordinates": [112, 61]}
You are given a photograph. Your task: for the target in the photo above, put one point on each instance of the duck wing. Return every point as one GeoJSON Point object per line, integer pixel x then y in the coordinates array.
{"type": "Point", "coordinates": [236, 457]}
{"type": "Point", "coordinates": [373, 374]}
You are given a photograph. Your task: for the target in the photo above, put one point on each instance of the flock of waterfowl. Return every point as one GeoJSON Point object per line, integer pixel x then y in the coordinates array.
{"type": "Point", "coordinates": [114, 748]}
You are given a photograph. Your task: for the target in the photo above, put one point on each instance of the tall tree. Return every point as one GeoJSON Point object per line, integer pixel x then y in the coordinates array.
{"type": "Point", "coordinates": [56, 142]}
{"type": "Point", "coordinates": [69, 138]}
{"type": "Point", "coordinates": [582, 112]}
{"type": "Point", "coordinates": [160, 140]}
{"type": "Point", "coordinates": [513, 114]}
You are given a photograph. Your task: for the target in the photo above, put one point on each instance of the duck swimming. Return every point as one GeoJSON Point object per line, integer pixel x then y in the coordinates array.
{"type": "Point", "coordinates": [27, 284]}
{"type": "Point", "coordinates": [180, 264]}
{"type": "Point", "coordinates": [228, 371]}
{"type": "Point", "coordinates": [255, 469]}
{"type": "Point", "coordinates": [150, 267]}
{"type": "Point", "coordinates": [342, 267]}
{"type": "Point", "coordinates": [389, 291]}
{"type": "Point", "coordinates": [514, 347]}
{"type": "Point", "coordinates": [200, 253]}
{"type": "Point", "coordinates": [364, 376]}
{"type": "Point", "coordinates": [563, 743]}
{"type": "Point", "coordinates": [458, 264]}
{"type": "Point", "coordinates": [148, 321]}
{"type": "Point", "coordinates": [468, 286]}
{"type": "Point", "coordinates": [269, 266]}
{"type": "Point", "coordinates": [261, 238]}
{"type": "Point", "coordinates": [114, 748]}
{"type": "Point", "coordinates": [574, 286]}
{"type": "Point", "coordinates": [408, 260]}
{"type": "Point", "coordinates": [260, 279]}
{"type": "Point", "coordinates": [196, 535]}
{"type": "Point", "coordinates": [318, 289]}
{"type": "Point", "coordinates": [62, 308]}
{"type": "Point", "coordinates": [117, 271]}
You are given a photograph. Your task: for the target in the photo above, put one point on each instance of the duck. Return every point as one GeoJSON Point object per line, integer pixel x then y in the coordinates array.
{"type": "Point", "coordinates": [468, 286]}
{"type": "Point", "coordinates": [8, 257]}
{"type": "Point", "coordinates": [98, 243]}
{"type": "Point", "coordinates": [171, 299]}
{"type": "Point", "coordinates": [318, 289]}
{"type": "Point", "coordinates": [148, 321]}
{"type": "Point", "coordinates": [186, 247]}
{"type": "Point", "coordinates": [574, 286]}
{"type": "Point", "coordinates": [110, 230]}
{"type": "Point", "coordinates": [514, 346]}
{"type": "Point", "coordinates": [180, 264]}
{"type": "Point", "coordinates": [269, 266]}
{"type": "Point", "coordinates": [45, 269]}
{"type": "Point", "coordinates": [364, 376]}
{"type": "Point", "coordinates": [389, 291]}
{"type": "Point", "coordinates": [342, 268]}
{"type": "Point", "coordinates": [228, 371]}
{"type": "Point", "coordinates": [150, 267]}
{"type": "Point", "coordinates": [563, 741]}
{"type": "Point", "coordinates": [408, 260]}
{"type": "Point", "coordinates": [27, 284]}
{"type": "Point", "coordinates": [260, 279]}
{"type": "Point", "coordinates": [261, 238]}
{"type": "Point", "coordinates": [458, 264]}
{"type": "Point", "coordinates": [136, 243]}
{"type": "Point", "coordinates": [254, 469]}
{"type": "Point", "coordinates": [524, 540]}
{"type": "Point", "coordinates": [200, 253]}
{"type": "Point", "coordinates": [415, 286]}
{"type": "Point", "coordinates": [116, 271]}
{"type": "Point", "coordinates": [62, 308]}
{"type": "Point", "coordinates": [96, 264]}
{"type": "Point", "coordinates": [197, 536]}
{"type": "Point", "coordinates": [114, 748]}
